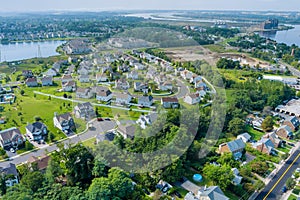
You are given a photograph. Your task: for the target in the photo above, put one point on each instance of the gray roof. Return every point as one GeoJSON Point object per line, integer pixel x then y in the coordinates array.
{"type": "Point", "coordinates": [9, 169]}
{"type": "Point", "coordinates": [62, 117]}
{"type": "Point", "coordinates": [35, 127]}
{"type": "Point", "coordinates": [287, 129]}
{"type": "Point", "coordinates": [10, 133]}
{"type": "Point", "coordinates": [245, 135]}
{"type": "Point", "coordinates": [214, 193]}
{"type": "Point", "coordinates": [294, 120]}
{"type": "Point", "coordinates": [236, 145]}
{"type": "Point", "coordinates": [127, 129]}
{"type": "Point", "coordinates": [109, 136]}
{"type": "Point", "coordinates": [145, 98]}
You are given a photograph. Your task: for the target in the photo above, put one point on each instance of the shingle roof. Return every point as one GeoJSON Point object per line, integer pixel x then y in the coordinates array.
{"type": "Point", "coordinates": [236, 145]}
{"type": "Point", "coordinates": [9, 169]}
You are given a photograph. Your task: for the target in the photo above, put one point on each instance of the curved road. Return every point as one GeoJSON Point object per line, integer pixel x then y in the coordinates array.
{"type": "Point", "coordinates": [99, 127]}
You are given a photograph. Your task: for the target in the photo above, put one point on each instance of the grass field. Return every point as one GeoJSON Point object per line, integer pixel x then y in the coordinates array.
{"type": "Point", "coordinates": [256, 135]}
{"type": "Point", "coordinates": [29, 106]}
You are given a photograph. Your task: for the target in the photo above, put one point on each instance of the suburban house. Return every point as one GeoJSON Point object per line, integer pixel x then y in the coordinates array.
{"type": "Point", "coordinates": [169, 102]}
{"type": "Point", "coordinates": [264, 145]}
{"type": "Point", "coordinates": [123, 98]}
{"type": "Point", "coordinates": [146, 101]}
{"type": "Point", "coordinates": [71, 69]}
{"type": "Point", "coordinates": [103, 94]}
{"type": "Point", "coordinates": [133, 75]}
{"type": "Point", "coordinates": [51, 72]}
{"type": "Point", "coordinates": [85, 93]}
{"type": "Point", "coordinates": [122, 84]}
{"type": "Point", "coordinates": [145, 120]}
{"type": "Point", "coordinates": [200, 84]}
{"type": "Point", "coordinates": [47, 81]}
{"type": "Point", "coordinates": [246, 137]}
{"type": "Point", "coordinates": [165, 86]}
{"type": "Point", "coordinates": [31, 82]}
{"type": "Point", "coordinates": [193, 98]}
{"type": "Point", "coordinates": [64, 122]}
{"type": "Point", "coordinates": [127, 131]}
{"type": "Point", "coordinates": [274, 138]}
{"type": "Point", "coordinates": [66, 78]}
{"type": "Point", "coordinates": [207, 193]}
{"type": "Point", "coordinates": [85, 111]}
{"type": "Point", "coordinates": [10, 174]}
{"type": "Point", "coordinates": [69, 86]}
{"type": "Point", "coordinates": [84, 78]}
{"type": "Point", "coordinates": [36, 131]}
{"type": "Point", "coordinates": [201, 92]}
{"type": "Point", "coordinates": [141, 87]}
{"type": "Point", "coordinates": [108, 136]}
{"type": "Point", "coordinates": [236, 147]}
{"type": "Point", "coordinates": [237, 178]}
{"type": "Point", "coordinates": [40, 163]}
{"type": "Point", "coordinates": [284, 131]}
{"type": "Point", "coordinates": [11, 137]}
{"type": "Point", "coordinates": [101, 77]}
{"type": "Point", "coordinates": [186, 75]}
{"type": "Point", "coordinates": [195, 78]}
{"type": "Point", "coordinates": [123, 68]}
{"type": "Point", "coordinates": [293, 122]}
{"type": "Point", "coordinates": [83, 70]}
{"type": "Point", "coordinates": [27, 73]}
{"type": "Point", "coordinates": [139, 66]}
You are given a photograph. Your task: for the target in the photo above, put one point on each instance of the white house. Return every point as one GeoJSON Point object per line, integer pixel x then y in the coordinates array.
{"type": "Point", "coordinates": [69, 86]}
{"type": "Point", "coordinates": [146, 101]}
{"type": "Point", "coordinates": [51, 72]}
{"type": "Point", "coordinates": [101, 77]}
{"type": "Point", "coordinates": [145, 120]}
{"type": "Point", "coordinates": [245, 137]}
{"type": "Point", "coordinates": [133, 75]}
{"type": "Point", "coordinates": [84, 78]}
{"type": "Point", "coordinates": [85, 93]}
{"type": "Point", "coordinates": [123, 98]}
{"type": "Point", "coordinates": [103, 94]}
{"type": "Point", "coordinates": [63, 122]}
{"type": "Point", "coordinates": [192, 98]}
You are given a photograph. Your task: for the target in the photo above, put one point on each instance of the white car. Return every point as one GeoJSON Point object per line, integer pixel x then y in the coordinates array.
{"type": "Point", "coordinates": [12, 150]}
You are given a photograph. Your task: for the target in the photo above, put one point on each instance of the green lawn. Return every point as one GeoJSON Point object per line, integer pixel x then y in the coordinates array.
{"type": "Point", "coordinates": [90, 143]}
{"type": "Point", "coordinates": [256, 135]}
{"type": "Point", "coordinates": [27, 107]}
{"type": "Point", "coordinates": [292, 197]}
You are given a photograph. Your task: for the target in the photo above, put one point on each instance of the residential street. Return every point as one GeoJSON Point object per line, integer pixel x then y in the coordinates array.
{"type": "Point", "coordinates": [98, 127]}
{"type": "Point", "coordinates": [273, 190]}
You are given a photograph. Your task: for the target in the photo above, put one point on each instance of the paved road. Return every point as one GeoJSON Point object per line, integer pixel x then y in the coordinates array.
{"type": "Point", "coordinates": [293, 70]}
{"type": "Point", "coordinates": [273, 190]}
{"type": "Point", "coordinates": [98, 127]}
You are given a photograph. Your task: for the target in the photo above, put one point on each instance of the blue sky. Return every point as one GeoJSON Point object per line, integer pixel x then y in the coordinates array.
{"type": "Point", "coordinates": [46, 5]}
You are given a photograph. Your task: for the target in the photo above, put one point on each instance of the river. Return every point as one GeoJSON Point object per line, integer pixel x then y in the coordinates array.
{"type": "Point", "coordinates": [289, 37]}
{"type": "Point", "coordinates": [21, 51]}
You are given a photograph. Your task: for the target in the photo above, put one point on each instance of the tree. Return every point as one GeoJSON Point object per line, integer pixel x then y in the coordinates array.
{"type": "Point", "coordinates": [33, 180]}
{"type": "Point", "coordinates": [290, 183]}
{"type": "Point", "coordinates": [18, 192]}
{"type": "Point", "coordinates": [259, 167]}
{"type": "Point", "coordinates": [236, 126]}
{"type": "Point", "coordinates": [99, 168]}
{"type": "Point", "coordinates": [227, 158]}
{"type": "Point", "coordinates": [220, 175]}
{"type": "Point", "coordinates": [22, 92]}
{"type": "Point", "coordinates": [267, 124]}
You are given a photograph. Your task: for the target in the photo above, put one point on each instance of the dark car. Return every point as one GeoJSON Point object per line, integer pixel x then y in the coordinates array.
{"type": "Point", "coordinates": [177, 194]}
{"type": "Point", "coordinates": [284, 189]}
{"type": "Point", "coordinates": [107, 119]}
{"type": "Point", "coordinates": [99, 119]}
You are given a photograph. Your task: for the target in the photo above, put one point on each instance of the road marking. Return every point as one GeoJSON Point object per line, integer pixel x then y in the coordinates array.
{"type": "Point", "coordinates": [281, 176]}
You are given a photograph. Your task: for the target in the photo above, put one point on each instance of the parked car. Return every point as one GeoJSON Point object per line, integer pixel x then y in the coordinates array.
{"type": "Point", "coordinates": [99, 119]}
{"type": "Point", "coordinates": [12, 150]}
{"type": "Point", "coordinates": [284, 189]}
{"type": "Point", "coordinates": [107, 119]}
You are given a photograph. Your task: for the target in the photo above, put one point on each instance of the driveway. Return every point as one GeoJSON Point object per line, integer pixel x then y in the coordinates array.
{"type": "Point", "coordinates": [98, 127]}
